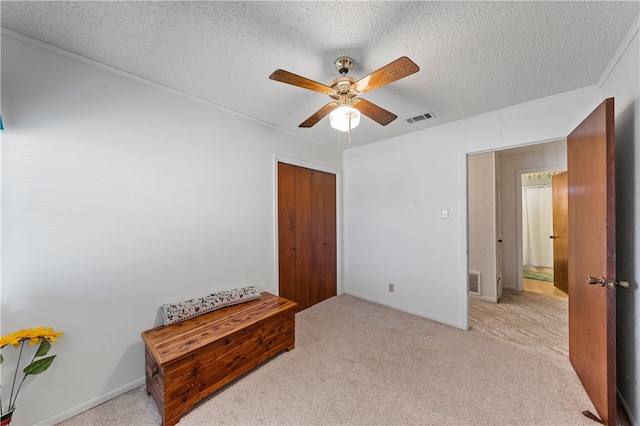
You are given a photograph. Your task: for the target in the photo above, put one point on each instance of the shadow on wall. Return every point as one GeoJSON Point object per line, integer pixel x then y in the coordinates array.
{"type": "Point", "coordinates": [627, 123]}
{"type": "Point", "coordinates": [130, 364]}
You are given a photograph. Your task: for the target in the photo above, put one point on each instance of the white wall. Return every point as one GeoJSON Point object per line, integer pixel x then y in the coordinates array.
{"type": "Point", "coordinates": [395, 190]}
{"type": "Point", "coordinates": [117, 197]}
{"type": "Point", "coordinates": [623, 83]}
{"type": "Point", "coordinates": [482, 222]}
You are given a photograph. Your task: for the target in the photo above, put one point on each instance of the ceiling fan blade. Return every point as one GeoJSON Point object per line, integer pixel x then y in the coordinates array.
{"type": "Point", "coordinates": [295, 80]}
{"type": "Point", "coordinates": [391, 72]}
{"type": "Point", "coordinates": [319, 115]}
{"type": "Point", "coordinates": [373, 111]}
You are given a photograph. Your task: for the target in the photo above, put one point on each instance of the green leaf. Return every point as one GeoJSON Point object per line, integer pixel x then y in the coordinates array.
{"type": "Point", "coordinates": [39, 366]}
{"type": "Point", "coordinates": [43, 349]}
{"type": "Point", "coordinates": [1, 359]}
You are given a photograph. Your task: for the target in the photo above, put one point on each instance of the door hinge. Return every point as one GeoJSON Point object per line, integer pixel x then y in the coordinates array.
{"type": "Point", "coordinates": [619, 283]}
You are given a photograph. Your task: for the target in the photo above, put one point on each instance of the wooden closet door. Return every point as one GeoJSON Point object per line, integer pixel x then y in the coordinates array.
{"type": "Point", "coordinates": [306, 235]}
{"type": "Point", "coordinates": [330, 241]}
{"type": "Point", "coordinates": [304, 274]}
{"type": "Point", "coordinates": [286, 231]}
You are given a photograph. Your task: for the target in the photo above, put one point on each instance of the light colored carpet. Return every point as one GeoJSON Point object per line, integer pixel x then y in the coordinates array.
{"type": "Point", "coordinates": [536, 321]}
{"type": "Point", "coordinates": [360, 363]}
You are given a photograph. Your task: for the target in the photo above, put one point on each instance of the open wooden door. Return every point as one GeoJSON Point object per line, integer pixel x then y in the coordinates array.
{"type": "Point", "coordinates": [560, 231]}
{"type": "Point", "coordinates": [592, 258]}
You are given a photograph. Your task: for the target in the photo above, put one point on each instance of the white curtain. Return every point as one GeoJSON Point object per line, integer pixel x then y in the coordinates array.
{"type": "Point", "coordinates": [537, 226]}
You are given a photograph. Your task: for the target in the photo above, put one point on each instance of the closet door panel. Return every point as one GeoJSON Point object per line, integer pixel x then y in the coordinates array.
{"type": "Point", "coordinates": [316, 283]}
{"type": "Point", "coordinates": [304, 247]}
{"type": "Point", "coordinates": [286, 231]}
{"type": "Point", "coordinates": [330, 245]}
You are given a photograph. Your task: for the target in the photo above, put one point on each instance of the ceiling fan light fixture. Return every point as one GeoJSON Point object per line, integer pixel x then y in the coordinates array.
{"type": "Point", "coordinates": [344, 118]}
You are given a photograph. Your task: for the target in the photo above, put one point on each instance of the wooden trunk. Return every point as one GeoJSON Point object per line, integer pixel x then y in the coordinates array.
{"type": "Point", "coordinates": [187, 361]}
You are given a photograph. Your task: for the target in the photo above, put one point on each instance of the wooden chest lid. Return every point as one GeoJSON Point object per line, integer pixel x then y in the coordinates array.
{"type": "Point", "coordinates": [168, 343]}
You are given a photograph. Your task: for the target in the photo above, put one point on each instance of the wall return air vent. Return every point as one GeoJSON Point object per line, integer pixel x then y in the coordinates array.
{"type": "Point", "coordinates": [421, 117]}
{"type": "Point", "coordinates": [475, 283]}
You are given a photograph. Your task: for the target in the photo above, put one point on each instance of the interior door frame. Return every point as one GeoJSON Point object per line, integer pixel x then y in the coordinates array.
{"type": "Point", "coordinates": [463, 154]}
{"type": "Point", "coordinates": [277, 158]}
{"type": "Point", "coordinates": [519, 237]}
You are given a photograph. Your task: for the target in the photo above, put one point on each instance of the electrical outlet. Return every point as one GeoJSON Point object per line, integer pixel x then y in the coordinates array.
{"type": "Point", "coordinates": [392, 287]}
{"type": "Point", "coordinates": [445, 213]}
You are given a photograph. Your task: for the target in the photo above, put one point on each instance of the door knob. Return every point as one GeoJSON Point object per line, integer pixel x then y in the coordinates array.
{"type": "Point", "coordinates": [594, 280]}
{"type": "Point", "coordinates": [553, 237]}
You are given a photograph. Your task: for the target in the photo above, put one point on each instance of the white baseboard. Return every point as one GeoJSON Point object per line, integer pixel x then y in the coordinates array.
{"type": "Point", "coordinates": [87, 405]}
{"type": "Point", "coordinates": [403, 309]}
{"type": "Point", "coordinates": [485, 298]}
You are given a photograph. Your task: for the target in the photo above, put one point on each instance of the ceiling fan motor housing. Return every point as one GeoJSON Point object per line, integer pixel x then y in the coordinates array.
{"type": "Point", "coordinates": [343, 87]}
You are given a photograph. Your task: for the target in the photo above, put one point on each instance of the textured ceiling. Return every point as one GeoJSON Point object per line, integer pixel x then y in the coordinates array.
{"type": "Point", "coordinates": [474, 57]}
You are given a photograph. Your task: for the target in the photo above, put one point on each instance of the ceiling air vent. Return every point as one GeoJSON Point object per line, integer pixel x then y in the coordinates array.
{"type": "Point", "coordinates": [425, 116]}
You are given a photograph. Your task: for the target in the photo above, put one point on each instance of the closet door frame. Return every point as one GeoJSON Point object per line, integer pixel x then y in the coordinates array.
{"type": "Point", "coordinates": [321, 168]}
